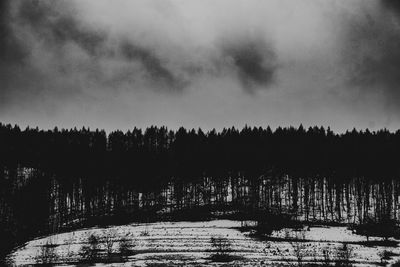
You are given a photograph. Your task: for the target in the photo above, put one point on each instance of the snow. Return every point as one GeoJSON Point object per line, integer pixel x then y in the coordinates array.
{"type": "Point", "coordinates": [323, 233]}
{"type": "Point", "coordinates": [189, 243]}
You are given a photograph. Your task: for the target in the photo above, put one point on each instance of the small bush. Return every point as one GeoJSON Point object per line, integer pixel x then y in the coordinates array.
{"type": "Point", "coordinates": [145, 232]}
{"type": "Point", "coordinates": [386, 255]}
{"type": "Point", "coordinates": [221, 247]}
{"type": "Point", "coordinates": [109, 238]}
{"type": "Point", "coordinates": [47, 254]}
{"type": "Point", "coordinates": [344, 255]}
{"type": "Point", "coordinates": [90, 251]}
{"type": "Point", "coordinates": [125, 247]}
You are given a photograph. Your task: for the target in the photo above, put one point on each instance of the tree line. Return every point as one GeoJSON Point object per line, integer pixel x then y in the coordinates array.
{"type": "Point", "coordinates": [156, 155]}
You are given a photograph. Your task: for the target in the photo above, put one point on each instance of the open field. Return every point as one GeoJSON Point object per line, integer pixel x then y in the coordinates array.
{"type": "Point", "coordinates": [214, 243]}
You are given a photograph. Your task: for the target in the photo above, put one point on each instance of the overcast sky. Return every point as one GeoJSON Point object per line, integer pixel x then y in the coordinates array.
{"type": "Point", "coordinates": [200, 63]}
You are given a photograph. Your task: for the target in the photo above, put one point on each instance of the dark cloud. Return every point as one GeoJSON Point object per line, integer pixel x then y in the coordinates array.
{"type": "Point", "coordinates": [57, 28]}
{"type": "Point", "coordinates": [50, 26]}
{"type": "Point", "coordinates": [393, 5]}
{"type": "Point", "coordinates": [152, 64]}
{"type": "Point", "coordinates": [254, 61]}
{"type": "Point", "coordinates": [11, 50]}
{"type": "Point", "coordinates": [35, 35]}
{"type": "Point", "coordinates": [372, 51]}
{"type": "Point", "coordinates": [39, 27]}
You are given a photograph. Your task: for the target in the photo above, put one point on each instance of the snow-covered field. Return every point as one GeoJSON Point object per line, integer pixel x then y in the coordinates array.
{"type": "Point", "coordinates": [194, 243]}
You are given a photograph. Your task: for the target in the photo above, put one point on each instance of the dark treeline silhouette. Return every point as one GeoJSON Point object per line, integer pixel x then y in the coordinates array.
{"type": "Point", "coordinates": [155, 155]}
{"type": "Point", "coordinates": [50, 180]}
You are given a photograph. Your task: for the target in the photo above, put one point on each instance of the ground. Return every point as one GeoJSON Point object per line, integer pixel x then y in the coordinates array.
{"type": "Point", "coordinates": [213, 243]}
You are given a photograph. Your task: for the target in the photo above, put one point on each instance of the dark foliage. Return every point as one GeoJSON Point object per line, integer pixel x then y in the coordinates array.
{"type": "Point", "coordinates": [156, 155]}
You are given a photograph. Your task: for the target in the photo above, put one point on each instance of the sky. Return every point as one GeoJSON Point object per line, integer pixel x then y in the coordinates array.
{"type": "Point", "coordinates": [210, 63]}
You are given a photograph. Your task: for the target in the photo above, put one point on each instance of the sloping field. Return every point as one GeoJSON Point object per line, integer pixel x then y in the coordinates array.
{"type": "Point", "coordinates": [211, 243]}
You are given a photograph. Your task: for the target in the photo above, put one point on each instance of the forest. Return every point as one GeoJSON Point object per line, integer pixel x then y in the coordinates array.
{"type": "Point", "coordinates": [60, 179]}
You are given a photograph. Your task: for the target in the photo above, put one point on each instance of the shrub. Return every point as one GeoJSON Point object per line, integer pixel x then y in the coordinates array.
{"type": "Point", "coordinates": [47, 254]}
{"type": "Point", "coordinates": [90, 251]}
{"type": "Point", "coordinates": [221, 247]}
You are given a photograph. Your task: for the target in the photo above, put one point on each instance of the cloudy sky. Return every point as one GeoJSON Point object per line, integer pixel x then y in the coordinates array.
{"type": "Point", "coordinates": [209, 63]}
